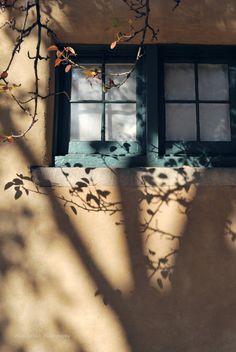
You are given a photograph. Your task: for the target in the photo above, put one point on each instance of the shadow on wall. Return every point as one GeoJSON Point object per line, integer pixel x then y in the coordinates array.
{"type": "Point", "coordinates": [186, 304]}
{"type": "Point", "coordinates": [183, 291]}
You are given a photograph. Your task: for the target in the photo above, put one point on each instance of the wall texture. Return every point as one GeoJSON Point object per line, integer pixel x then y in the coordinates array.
{"type": "Point", "coordinates": [130, 261]}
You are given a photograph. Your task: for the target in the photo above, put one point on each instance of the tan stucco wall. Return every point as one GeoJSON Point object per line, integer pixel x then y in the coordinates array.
{"type": "Point", "coordinates": [80, 275]}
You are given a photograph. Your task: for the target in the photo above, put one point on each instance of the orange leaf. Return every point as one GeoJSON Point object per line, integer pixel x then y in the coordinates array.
{"type": "Point", "coordinates": [59, 53]}
{"type": "Point", "coordinates": [53, 48]}
{"type": "Point", "coordinates": [113, 44]}
{"type": "Point", "coordinates": [57, 62]}
{"type": "Point", "coordinates": [10, 139]}
{"type": "Point", "coordinates": [68, 68]}
{"type": "Point", "coordinates": [90, 73]}
{"type": "Point", "coordinates": [4, 74]}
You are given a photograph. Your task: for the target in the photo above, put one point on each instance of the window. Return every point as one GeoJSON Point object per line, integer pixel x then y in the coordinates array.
{"type": "Point", "coordinates": [98, 126]}
{"type": "Point", "coordinates": [197, 100]}
{"type": "Point", "coordinates": [178, 107]}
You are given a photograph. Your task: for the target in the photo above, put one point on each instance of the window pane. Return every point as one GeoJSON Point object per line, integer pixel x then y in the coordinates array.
{"type": "Point", "coordinates": [128, 90]}
{"type": "Point", "coordinates": [121, 122]}
{"type": "Point", "coordinates": [213, 82]}
{"type": "Point", "coordinates": [84, 88]}
{"type": "Point", "coordinates": [181, 122]}
{"type": "Point", "coordinates": [179, 82]}
{"type": "Point", "coordinates": [86, 122]}
{"type": "Point", "coordinates": [214, 122]}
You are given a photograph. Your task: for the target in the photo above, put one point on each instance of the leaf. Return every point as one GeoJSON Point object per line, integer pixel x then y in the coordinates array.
{"type": "Point", "coordinates": [4, 74]}
{"type": "Point", "coordinates": [73, 209]}
{"type": "Point", "coordinates": [17, 181]}
{"type": "Point", "coordinates": [8, 185]}
{"type": "Point", "coordinates": [151, 252]}
{"type": "Point", "coordinates": [150, 180]}
{"type": "Point", "coordinates": [103, 194]}
{"type": "Point", "coordinates": [68, 68]}
{"type": "Point", "coordinates": [126, 146]}
{"type": "Point", "coordinates": [81, 184]}
{"type": "Point", "coordinates": [88, 169]}
{"type": "Point", "coordinates": [90, 73]}
{"type": "Point", "coordinates": [18, 194]}
{"type": "Point", "coordinates": [59, 53]}
{"type": "Point", "coordinates": [161, 175]}
{"type": "Point", "coordinates": [26, 191]}
{"type": "Point", "coordinates": [159, 281]}
{"type": "Point", "coordinates": [113, 44]}
{"type": "Point", "coordinates": [90, 197]}
{"type": "Point", "coordinates": [53, 48]}
{"type": "Point", "coordinates": [10, 139]}
{"type": "Point", "coordinates": [71, 50]}
{"type": "Point", "coordinates": [113, 148]}
{"type": "Point", "coordinates": [57, 62]}
{"type": "Point", "coordinates": [164, 274]}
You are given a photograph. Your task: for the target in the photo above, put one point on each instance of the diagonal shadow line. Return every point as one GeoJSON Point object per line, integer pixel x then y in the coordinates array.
{"type": "Point", "coordinates": [70, 232]}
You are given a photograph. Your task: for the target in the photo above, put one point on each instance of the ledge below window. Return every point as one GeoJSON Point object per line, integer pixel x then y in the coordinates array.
{"type": "Point", "coordinates": [134, 177]}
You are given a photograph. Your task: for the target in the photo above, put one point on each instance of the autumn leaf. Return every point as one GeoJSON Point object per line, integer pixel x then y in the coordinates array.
{"type": "Point", "coordinates": [90, 73]}
{"type": "Point", "coordinates": [58, 61]}
{"type": "Point", "coordinates": [113, 44]}
{"type": "Point", "coordinates": [70, 49]}
{"type": "Point", "coordinates": [68, 68]}
{"type": "Point", "coordinates": [59, 53]}
{"type": "Point", "coordinates": [9, 139]}
{"type": "Point", "coordinates": [53, 48]}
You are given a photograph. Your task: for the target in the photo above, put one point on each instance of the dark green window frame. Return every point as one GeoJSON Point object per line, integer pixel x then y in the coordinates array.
{"type": "Point", "coordinates": [100, 153]}
{"type": "Point", "coordinates": [151, 149]}
{"type": "Point", "coordinates": [215, 153]}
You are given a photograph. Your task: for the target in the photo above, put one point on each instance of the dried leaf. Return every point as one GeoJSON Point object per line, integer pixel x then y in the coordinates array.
{"type": "Point", "coordinates": [10, 139]}
{"type": "Point", "coordinates": [53, 48]}
{"type": "Point", "coordinates": [70, 49]}
{"type": "Point", "coordinates": [113, 44]}
{"type": "Point", "coordinates": [58, 61]}
{"type": "Point", "coordinates": [59, 53]}
{"type": "Point", "coordinates": [68, 68]}
{"type": "Point", "coordinates": [90, 73]}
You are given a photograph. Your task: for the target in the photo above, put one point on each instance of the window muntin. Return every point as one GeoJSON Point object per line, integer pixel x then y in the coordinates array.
{"type": "Point", "coordinates": [197, 102]}
{"type": "Point", "coordinates": [103, 115]}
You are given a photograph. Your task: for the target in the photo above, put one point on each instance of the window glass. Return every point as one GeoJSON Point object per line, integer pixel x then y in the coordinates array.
{"type": "Point", "coordinates": [86, 121]}
{"type": "Point", "coordinates": [214, 122]}
{"type": "Point", "coordinates": [181, 122]}
{"type": "Point", "coordinates": [179, 82]}
{"type": "Point", "coordinates": [128, 90]}
{"type": "Point", "coordinates": [121, 122]}
{"type": "Point", "coordinates": [83, 87]}
{"type": "Point", "coordinates": [213, 82]}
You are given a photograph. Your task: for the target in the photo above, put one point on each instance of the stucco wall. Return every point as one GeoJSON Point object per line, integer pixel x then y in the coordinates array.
{"type": "Point", "coordinates": [118, 263]}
